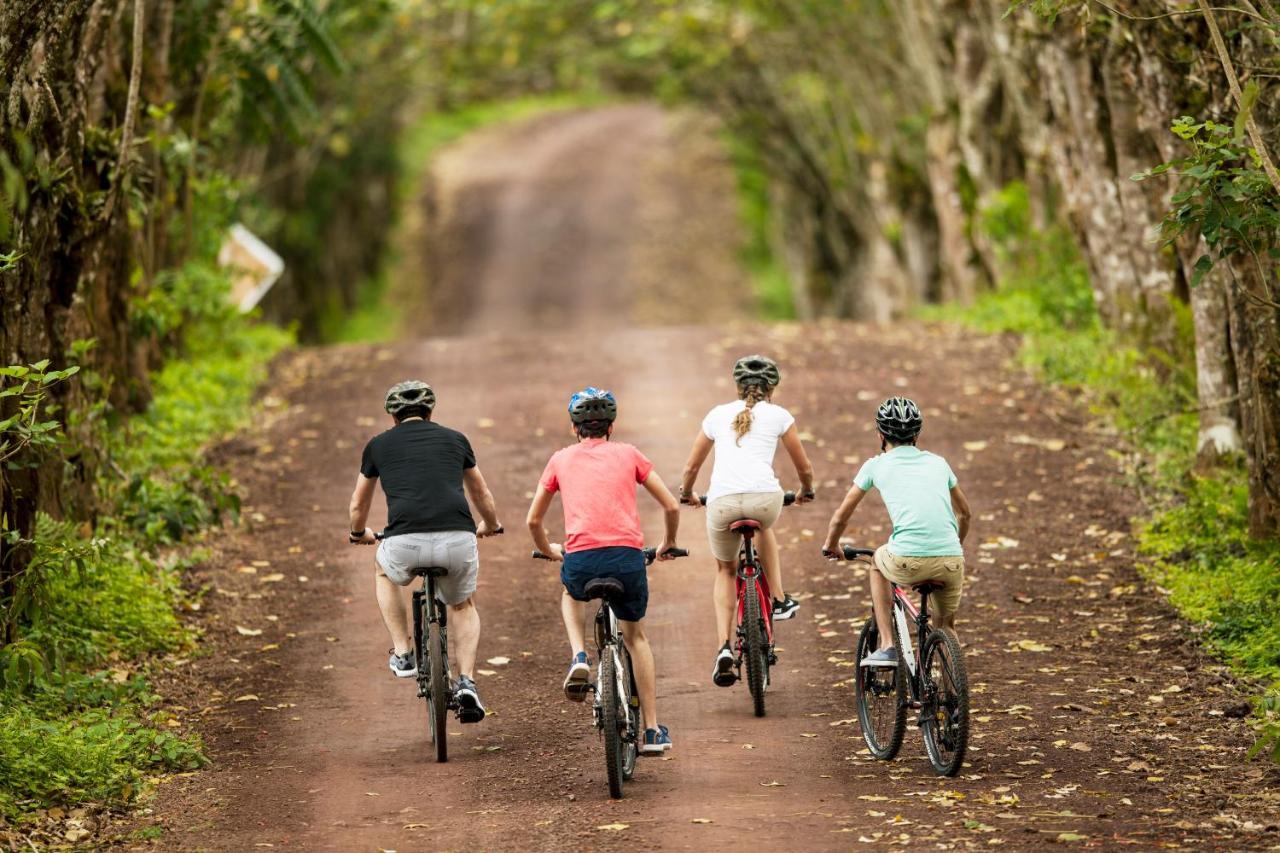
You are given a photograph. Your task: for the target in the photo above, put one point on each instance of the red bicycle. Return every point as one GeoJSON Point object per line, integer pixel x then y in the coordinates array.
{"type": "Point", "coordinates": [754, 644]}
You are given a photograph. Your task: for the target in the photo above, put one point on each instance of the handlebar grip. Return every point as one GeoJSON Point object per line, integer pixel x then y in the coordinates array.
{"type": "Point", "coordinates": [380, 535]}
{"type": "Point", "coordinates": [651, 554]}
{"type": "Point", "coordinates": [851, 553]}
{"type": "Point", "coordinates": [538, 555]}
{"type": "Point", "coordinates": [702, 499]}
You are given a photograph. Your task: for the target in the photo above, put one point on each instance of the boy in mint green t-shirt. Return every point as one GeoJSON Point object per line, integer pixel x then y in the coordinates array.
{"type": "Point", "coordinates": [930, 516]}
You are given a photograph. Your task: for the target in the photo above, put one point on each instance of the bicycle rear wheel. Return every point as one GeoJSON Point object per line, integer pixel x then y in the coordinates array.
{"type": "Point", "coordinates": [611, 719]}
{"type": "Point", "coordinates": [631, 733]}
{"type": "Point", "coordinates": [881, 697]}
{"type": "Point", "coordinates": [946, 707]}
{"type": "Point", "coordinates": [438, 693]}
{"type": "Point", "coordinates": [754, 647]}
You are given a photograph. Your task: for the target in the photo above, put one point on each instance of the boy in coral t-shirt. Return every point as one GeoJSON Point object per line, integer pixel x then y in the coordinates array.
{"type": "Point", "coordinates": [597, 479]}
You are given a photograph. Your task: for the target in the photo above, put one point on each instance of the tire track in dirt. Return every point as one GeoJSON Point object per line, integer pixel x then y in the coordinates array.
{"type": "Point", "coordinates": [331, 752]}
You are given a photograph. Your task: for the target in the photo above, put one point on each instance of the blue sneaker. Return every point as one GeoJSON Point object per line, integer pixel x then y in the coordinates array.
{"type": "Point", "coordinates": [577, 684]}
{"type": "Point", "coordinates": [656, 741]}
{"type": "Point", "coordinates": [402, 666]}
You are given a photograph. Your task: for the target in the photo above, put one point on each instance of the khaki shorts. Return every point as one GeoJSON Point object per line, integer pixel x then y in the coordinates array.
{"type": "Point", "coordinates": [904, 571]}
{"type": "Point", "coordinates": [764, 507]}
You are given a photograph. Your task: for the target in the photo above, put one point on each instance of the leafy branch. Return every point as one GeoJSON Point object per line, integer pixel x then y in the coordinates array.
{"type": "Point", "coordinates": [28, 388]}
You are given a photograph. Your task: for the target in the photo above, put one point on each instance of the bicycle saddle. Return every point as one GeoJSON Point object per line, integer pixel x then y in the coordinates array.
{"type": "Point", "coordinates": [745, 524]}
{"type": "Point", "coordinates": [928, 586]}
{"type": "Point", "coordinates": [606, 588]}
{"type": "Point", "coordinates": [429, 571]}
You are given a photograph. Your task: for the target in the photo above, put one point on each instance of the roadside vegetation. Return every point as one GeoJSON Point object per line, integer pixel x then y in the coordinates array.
{"type": "Point", "coordinates": [1192, 535]}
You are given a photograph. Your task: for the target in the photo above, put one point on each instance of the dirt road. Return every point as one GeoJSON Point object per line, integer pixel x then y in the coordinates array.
{"type": "Point", "coordinates": [1096, 717]}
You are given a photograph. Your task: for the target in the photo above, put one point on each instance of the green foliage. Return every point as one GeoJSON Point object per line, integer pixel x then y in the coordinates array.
{"type": "Point", "coordinates": [88, 739]}
{"type": "Point", "coordinates": [1225, 196]}
{"type": "Point", "coordinates": [24, 390]}
{"type": "Point", "coordinates": [772, 286]}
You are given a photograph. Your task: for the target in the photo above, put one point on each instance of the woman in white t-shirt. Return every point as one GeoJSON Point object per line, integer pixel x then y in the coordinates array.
{"type": "Point", "coordinates": [745, 435]}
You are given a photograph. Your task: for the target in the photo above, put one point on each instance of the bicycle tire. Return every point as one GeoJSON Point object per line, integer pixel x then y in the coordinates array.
{"type": "Point", "coordinates": [609, 721]}
{"type": "Point", "coordinates": [946, 715]}
{"type": "Point", "coordinates": [630, 743]}
{"type": "Point", "coordinates": [438, 697]}
{"type": "Point", "coordinates": [872, 684]}
{"type": "Point", "coordinates": [754, 646]}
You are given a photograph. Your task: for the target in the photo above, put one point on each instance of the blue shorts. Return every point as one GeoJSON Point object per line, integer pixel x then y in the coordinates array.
{"type": "Point", "coordinates": [625, 564]}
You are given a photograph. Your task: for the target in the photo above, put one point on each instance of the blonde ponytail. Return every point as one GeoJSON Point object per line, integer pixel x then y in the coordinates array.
{"type": "Point", "coordinates": [751, 395]}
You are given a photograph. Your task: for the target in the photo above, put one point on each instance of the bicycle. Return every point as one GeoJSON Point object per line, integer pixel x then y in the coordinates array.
{"type": "Point", "coordinates": [431, 651]}
{"type": "Point", "coordinates": [754, 612]}
{"type": "Point", "coordinates": [932, 669]}
{"type": "Point", "coordinates": [616, 709]}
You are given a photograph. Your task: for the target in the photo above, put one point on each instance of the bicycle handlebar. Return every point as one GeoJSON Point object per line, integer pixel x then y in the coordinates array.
{"type": "Point", "coordinates": [849, 553]}
{"type": "Point", "coordinates": [650, 554]}
{"type": "Point", "coordinates": [788, 498]}
{"type": "Point", "coordinates": [382, 534]}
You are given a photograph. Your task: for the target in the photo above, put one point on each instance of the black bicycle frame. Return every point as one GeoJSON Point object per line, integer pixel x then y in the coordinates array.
{"type": "Point", "coordinates": [426, 604]}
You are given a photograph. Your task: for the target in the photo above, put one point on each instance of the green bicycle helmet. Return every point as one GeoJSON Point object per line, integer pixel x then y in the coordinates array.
{"type": "Point", "coordinates": [410, 394]}
{"type": "Point", "coordinates": [756, 370]}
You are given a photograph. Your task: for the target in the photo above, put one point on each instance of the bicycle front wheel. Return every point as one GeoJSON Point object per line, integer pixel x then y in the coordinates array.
{"type": "Point", "coordinates": [438, 694]}
{"type": "Point", "coordinates": [754, 647]}
{"type": "Point", "coordinates": [946, 705]}
{"type": "Point", "coordinates": [881, 697]}
{"type": "Point", "coordinates": [612, 720]}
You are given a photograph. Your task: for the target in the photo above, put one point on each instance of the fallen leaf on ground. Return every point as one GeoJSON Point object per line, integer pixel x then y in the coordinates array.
{"type": "Point", "coordinates": [772, 784]}
{"type": "Point", "coordinates": [1033, 646]}
{"type": "Point", "coordinates": [248, 697]}
{"type": "Point", "coordinates": [613, 827]}
{"type": "Point", "coordinates": [274, 577]}
{"type": "Point", "coordinates": [498, 661]}
{"type": "Point", "coordinates": [701, 820]}
{"type": "Point", "coordinates": [248, 632]}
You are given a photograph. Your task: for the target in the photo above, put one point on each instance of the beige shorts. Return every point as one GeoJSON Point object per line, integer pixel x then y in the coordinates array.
{"type": "Point", "coordinates": [764, 507]}
{"type": "Point", "coordinates": [904, 571]}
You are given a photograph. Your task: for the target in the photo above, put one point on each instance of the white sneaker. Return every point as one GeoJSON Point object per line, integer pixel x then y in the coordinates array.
{"type": "Point", "coordinates": [402, 666]}
{"type": "Point", "coordinates": [884, 658]}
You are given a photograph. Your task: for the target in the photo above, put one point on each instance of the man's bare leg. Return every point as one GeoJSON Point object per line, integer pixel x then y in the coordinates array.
{"type": "Point", "coordinates": [391, 602]}
{"type": "Point", "coordinates": [464, 633]}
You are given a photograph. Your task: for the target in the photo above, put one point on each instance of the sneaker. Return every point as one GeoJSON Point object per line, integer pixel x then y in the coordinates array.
{"type": "Point", "coordinates": [656, 741]}
{"type": "Point", "coordinates": [402, 666]}
{"type": "Point", "coordinates": [723, 674]}
{"type": "Point", "coordinates": [470, 708]}
{"type": "Point", "coordinates": [785, 609]}
{"type": "Point", "coordinates": [577, 684]}
{"type": "Point", "coordinates": [884, 657]}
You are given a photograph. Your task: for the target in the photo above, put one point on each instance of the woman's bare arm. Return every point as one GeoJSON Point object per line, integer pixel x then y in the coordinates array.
{"type": "Point", "coordinates": [800, 459]}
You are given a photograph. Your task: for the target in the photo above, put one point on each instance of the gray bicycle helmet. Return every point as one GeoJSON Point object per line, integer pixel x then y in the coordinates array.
{"type": "Point", "coordinates": [593, 404]}
{"type": "Point", "coordinates": [756, 370]}
{"type": "Point", "coordinates": [899, 419]}
{"type": "Point", "coordinates": [404, 395]}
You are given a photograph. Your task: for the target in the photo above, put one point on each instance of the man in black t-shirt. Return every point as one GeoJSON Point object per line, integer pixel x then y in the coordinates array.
{"type": "Point", "coordinates": [427, 472]}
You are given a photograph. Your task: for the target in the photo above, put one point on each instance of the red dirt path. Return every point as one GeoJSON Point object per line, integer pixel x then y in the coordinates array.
{"type": "Point", "coordinates": [1095, 713]}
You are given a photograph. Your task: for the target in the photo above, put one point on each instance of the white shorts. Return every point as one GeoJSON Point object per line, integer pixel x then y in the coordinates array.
{"type": "Point", "coordinates": [454, 550]}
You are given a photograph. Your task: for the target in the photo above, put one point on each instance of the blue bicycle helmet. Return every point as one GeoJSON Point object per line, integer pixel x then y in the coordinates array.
{"type": "Point", "coordinates": [592, 404]}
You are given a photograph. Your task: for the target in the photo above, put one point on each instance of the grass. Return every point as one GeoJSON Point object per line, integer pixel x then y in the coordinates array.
{"type": "Point", "coordinates": [97, 606]}
{"type": "Point", "coordinates": [1192, 535]}
{"type": "Point", "coordinates": [375, 320]}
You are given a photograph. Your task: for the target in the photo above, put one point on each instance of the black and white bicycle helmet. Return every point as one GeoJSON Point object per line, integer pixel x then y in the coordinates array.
{"type": "Point", "coordinates": [410, 394]}
{"type": "Point", "coordinates": [592, 404]}
{"type": "Point", "coordinates": [899, 419]}
{"type": "Point", "coordinates": [756, 370]}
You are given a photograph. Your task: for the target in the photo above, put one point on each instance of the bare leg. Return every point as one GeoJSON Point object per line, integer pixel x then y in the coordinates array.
{"type": "Point", "coordinates": [574, 614]}
{"type": "Point", "coordinates": [391, 601]}
{"type": "Point", "coordinates": [726, 598]}
{"type": "Point", "coordinates": [642, 664]}
{"type": "Point", "coordinates": [767, 544]}
{"type": "Point", "coordinates": [464, 631]}
{"type": "Point", "coordinates": [882, 600]}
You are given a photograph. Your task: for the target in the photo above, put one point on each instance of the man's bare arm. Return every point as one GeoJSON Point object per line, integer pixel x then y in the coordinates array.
{"type": "Point", "coordinates": [960, 504]}
{"type": "Point", "coordinates": [478, 492]}
{"type": "Point", "coordinates": [361, 501]}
